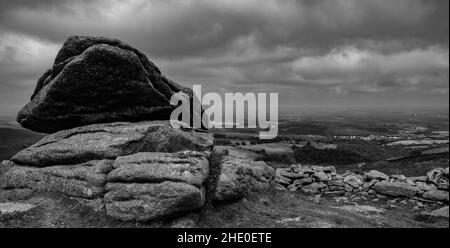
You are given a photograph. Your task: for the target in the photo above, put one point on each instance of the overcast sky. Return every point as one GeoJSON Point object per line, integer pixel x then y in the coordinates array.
{"type": "Point", "coordinates": [314, 53]}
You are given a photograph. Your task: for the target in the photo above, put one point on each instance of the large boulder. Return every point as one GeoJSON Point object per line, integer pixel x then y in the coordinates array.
{"type": "Point", "coordinates": [239, 177]}
{"type": "Point", "coordinates": [108, 141]}
{"type": "Point", "coordinates": [395, 189]}
{"type": "Point", "coordinates": [98, 80]}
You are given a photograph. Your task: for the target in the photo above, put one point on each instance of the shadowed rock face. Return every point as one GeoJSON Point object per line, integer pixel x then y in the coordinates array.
{"type": "Point", "coordinates": [98, 80]}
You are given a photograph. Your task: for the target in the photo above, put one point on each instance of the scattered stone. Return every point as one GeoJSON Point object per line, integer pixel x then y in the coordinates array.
{"type": "Point", "coordinates": [423, 187]}
{"type": "Point", "coordinates": [84, 180]}
{"type": "Point", "coordinates": [304, 181]}
{"type": "Point", "coordinates": [283, 180]}
{"type": "Point", "coordinates": [317, 199]}
{"type": "Point", "coordinates": [279, 187]}
{"type": "Point", "coordinates": [109, 141]}
{"type": "Point", "coordinates": [376, 175]}
{"type": "Point", "coordinates": [187, 221]}
{"type": "Point", "coordinates": [314, 188]}
{"type": "Point", "coordinates": [418, 179]}
{"type": "Point", "coordinates": [292, 188]}
{"type": "Point", "coordinates": [437, 195]}
{"type": "Point", "coordinates": [329, 169]}
{"type": "Point", "coordinates": [436, 175]}
{"type": "Point", "coordinates": [290, 175]}
{"type": "Point", "coordinates": [364, 209]}
{"type": "Point", "coordinates": [353, 180]}
{"type": "Point", "coordinates": [189, 166]}
{"type": "Point", "coordinates": [420, 205]}
{"type": "Point", "coordinates": [395, 189]}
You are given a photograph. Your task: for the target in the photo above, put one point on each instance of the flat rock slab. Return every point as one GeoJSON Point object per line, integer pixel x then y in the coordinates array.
{"type": "Point", "coordinates": [240, 176]}
{"type": "Point", "coordinates": [395, 189]}
{"type": "Point", "coordinates": [12, 209]}
{"type": "Point", "coordinates": [109, 141]}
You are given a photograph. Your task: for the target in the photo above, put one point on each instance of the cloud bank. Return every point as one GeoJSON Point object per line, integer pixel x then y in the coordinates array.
{"type": "Point", "coordinates": [315, 53]}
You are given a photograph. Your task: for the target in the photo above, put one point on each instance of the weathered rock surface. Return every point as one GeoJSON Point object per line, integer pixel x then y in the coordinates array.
{"type": "Point", "coordinates": [190, 167]}
{"type": "Point", "coordinates": [98, 80]}
{"type": "Point", "coordinates": [437, 195]}
{"type": "Point", "coordinates": [130, 171]}
{"type": "Point", "coordinates": [144, 202]}
{"type": "Point", "coordinates": [14, 209]}
{"type": "Point", "coordinates": [239, 177]}
{"type": "Point", "coordinates": [108, 141]}
{"type": "Point", "coordinates": [85, 180]}
{"type": "Point", "coordinates": [395, 189]}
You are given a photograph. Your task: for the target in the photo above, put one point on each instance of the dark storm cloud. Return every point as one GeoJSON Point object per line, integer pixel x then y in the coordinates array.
{"type": "Point", "coordinates": [325, 46]}
{"type": "Point", "coordinates": [176, 28]}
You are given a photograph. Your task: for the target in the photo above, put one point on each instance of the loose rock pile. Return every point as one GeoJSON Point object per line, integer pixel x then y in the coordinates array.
{"type": "Point", "coordinates": [325, 181]}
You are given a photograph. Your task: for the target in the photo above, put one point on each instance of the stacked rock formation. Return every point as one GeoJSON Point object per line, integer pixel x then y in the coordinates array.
{"type": "Point", "coordinates": [325, 181]}
{"type": "Point", "coordinates": [135, 171]}
{"type": "Point", "coordinates": [103, 156]}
